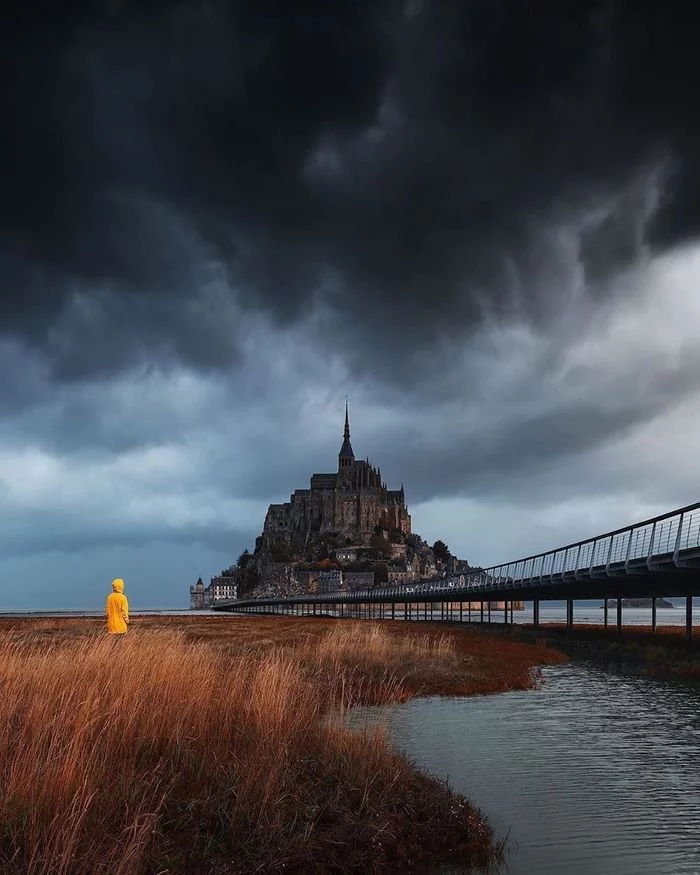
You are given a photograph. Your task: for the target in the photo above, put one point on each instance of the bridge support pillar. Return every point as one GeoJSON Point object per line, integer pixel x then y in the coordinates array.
{"type": "Point", "coordinates": [653, 614]}
{"type": "Point", "coordinates": [619, 615]}
{"type": "Point", "coordinates": [393, 610]}
{"type": "Point", "coordinates": [461, 605]}
{"type": "Point", "coordinates": [425, 610]}
{"type": "Point", "coordinates": [489, 609]}
{"type": "Point", "coordinates": [605, 612]}
{"type": "Point", "coordinates": [689, 617]}
{"type": "Point", "coordinates": [469, 612]}
{"type": "Point", "coordinates": [536, 613]}
{"type": "Point", "coordinates": [511, 612]}
{"type": "Point", "coordinates": [569, 613]}
{"type": "Point", "coordinates": [482, 612]}
{"type": "Point", "coordinates": [505, 612]}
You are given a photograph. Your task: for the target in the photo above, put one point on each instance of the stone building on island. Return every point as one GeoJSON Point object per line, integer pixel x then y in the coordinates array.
{"type": "Point", "coordinates": [348, 531]}
{"type": "Point", "coordinates": [220, 589]}
{"type": "Point", "coordinates": [350, 503]}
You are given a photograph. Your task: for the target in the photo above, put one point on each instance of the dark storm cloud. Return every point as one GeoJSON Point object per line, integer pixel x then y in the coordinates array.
{"type": "Point", "coordinates": [398, 159]}
{"type": "Point", "coordinates": [535, 446]}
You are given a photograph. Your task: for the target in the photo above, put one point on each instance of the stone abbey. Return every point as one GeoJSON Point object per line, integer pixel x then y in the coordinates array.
{"type": "Point", "coordinates": [350, 503]}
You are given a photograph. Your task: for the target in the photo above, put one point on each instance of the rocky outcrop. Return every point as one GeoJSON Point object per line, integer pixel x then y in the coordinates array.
{"type": "Point", "coordinates": [639, 603]}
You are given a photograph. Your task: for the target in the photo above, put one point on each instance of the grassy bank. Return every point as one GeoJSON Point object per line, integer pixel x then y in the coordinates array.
{"type": "Point", "coordinates": [203, 746]}
{"type": "Point", "coordinates": [665, 653]}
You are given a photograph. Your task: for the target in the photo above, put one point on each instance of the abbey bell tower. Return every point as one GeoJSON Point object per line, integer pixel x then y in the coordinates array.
{"type": "Point", "coordinates": [346, 457]}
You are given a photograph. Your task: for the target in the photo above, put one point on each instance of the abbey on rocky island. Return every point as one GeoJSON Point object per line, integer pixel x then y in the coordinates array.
{"type": "Point", "coordinates": [351, 502]}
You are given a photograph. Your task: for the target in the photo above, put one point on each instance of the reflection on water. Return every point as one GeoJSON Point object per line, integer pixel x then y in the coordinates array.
{"type": "Point", "coordinates": [595, 773]}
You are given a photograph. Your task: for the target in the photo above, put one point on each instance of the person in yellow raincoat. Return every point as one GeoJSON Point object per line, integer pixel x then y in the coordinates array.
{"type": "Point", "coordinates": [117, 609]}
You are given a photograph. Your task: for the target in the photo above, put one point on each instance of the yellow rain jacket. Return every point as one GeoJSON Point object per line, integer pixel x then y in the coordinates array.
{"type": "Point", "coordinates": [117, 609]}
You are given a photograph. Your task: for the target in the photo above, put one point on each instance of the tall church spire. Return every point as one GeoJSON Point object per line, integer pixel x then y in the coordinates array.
{"type": "Point", "coordinates": [346, 457]}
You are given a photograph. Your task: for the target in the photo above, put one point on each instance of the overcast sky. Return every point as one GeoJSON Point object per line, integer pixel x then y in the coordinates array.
{"type": "Point", "coordinates": [480, 222]}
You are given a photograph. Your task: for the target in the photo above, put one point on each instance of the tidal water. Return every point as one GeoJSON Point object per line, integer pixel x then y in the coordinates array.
{"type": "Point", "coordinates": [588, 613]}
{"type": "Point", "coordinates": [593, 613]}
{"type": "Point", "coordinates": [593, 774]}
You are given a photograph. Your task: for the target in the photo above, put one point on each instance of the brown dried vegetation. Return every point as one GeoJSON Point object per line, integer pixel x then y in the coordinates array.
{"type": "Point", "coordinates": [203, 745]}
{"type": "Point", "coordinates": [665, 653]}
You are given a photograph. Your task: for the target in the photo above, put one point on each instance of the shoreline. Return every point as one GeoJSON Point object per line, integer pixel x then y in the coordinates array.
{"type": "Point", "coordinates": [265, 685]}
{"type": "Point", "coordinates": [665, 654]}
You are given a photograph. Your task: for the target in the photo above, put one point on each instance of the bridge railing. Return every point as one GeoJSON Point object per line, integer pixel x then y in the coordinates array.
{"type": "Point", "coordinates": [669, 535]}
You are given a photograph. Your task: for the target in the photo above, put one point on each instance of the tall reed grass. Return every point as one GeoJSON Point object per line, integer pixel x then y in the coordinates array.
{"type": "Point", "coordinates": [154, 752]}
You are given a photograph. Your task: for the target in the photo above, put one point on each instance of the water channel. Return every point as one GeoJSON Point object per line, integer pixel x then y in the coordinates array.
{"type": "Point", "coordinates": [596, 773]}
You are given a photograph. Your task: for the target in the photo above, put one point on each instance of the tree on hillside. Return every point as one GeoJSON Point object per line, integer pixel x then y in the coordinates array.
{"type": "Point", "coordinates": [441, 551]}
{"type": "Point", "coordinates": [381, 572]}
{"type": "Point", "coordinates": [396, 536]}
{"type": "Point", "coordinates": [358, 565]}
{"type": "Point", "coordinates": [247, 579]}
{"type": "Point", "coordinates": [243, 559]}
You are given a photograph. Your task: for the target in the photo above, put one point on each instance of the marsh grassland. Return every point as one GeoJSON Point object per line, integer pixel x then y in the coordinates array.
{"type": "Point", "coordinates": [205, 745]}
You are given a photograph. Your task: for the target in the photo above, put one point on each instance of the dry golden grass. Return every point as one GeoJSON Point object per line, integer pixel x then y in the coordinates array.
{"type": "Point", "coordinates": [203, 746]}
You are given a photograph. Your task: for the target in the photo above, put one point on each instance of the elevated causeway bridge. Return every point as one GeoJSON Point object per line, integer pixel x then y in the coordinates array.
{"type": "Point", "coordinates": [653, 558]}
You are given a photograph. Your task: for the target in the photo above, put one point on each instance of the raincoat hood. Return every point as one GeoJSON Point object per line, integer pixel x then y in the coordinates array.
{"type": "Point", "coordinates": [118, 585]}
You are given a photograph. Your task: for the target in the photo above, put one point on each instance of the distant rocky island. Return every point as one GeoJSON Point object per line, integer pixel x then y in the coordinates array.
{"type": "Point", "coordinates": [347, 531]}
{"type": "Point", "coordinates": [639, 603]}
